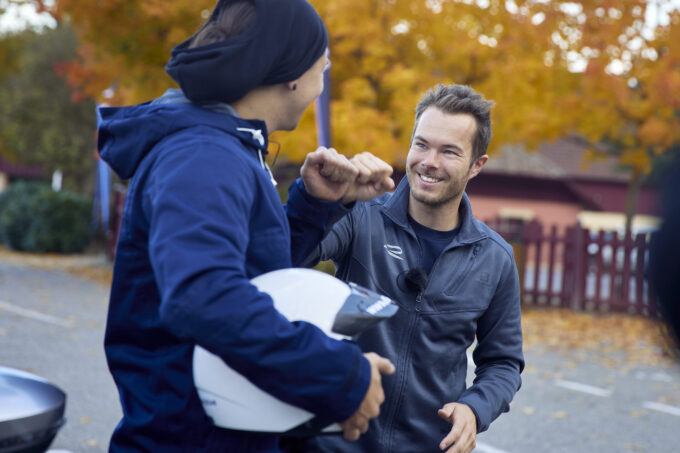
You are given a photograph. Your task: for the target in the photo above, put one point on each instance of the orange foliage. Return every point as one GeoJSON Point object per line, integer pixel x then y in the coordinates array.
{"type": "Point", "coordinates": [386, 53]}
{"type": "Point", "coordinates": [630, 89]}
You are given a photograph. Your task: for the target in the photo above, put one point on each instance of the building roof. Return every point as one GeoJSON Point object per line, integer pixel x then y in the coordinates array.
{"type": "Point", "coordinates": [562, 159]}
{"type": "Point", "coordinates": [559, 171]}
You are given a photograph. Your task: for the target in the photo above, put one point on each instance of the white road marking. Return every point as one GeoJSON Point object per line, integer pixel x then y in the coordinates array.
{"type": "Point", "coordinates": [659, 377]}
{"type": "Point", "coordinates": [662, 377]}
{"type": "Point", "coordinates": [484, 448]}
{"type": "Point", "coordinates": [583, 388]}
{"type": "Point", "coordinates": [662, 408]}
{"type": "Point", "coordinates": [36, 315]}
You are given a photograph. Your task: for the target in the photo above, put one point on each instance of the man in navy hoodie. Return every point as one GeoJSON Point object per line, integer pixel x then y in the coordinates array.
{"type": "Point", "coordinates": [202, 218]}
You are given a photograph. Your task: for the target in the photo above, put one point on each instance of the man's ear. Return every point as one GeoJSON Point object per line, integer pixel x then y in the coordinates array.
{"type": "Point", "coordinates": [477, 166]}
{"type": "Point", "coordinates": [292, 85]}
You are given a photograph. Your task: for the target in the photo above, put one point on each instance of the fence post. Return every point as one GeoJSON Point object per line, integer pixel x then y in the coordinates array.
{"type": "Point", "coordinates": [538, 261]}
{"type": "Point", "coordinates": [551, 262]}
{"type": "Point", "coordinates": [568, 267]}
{"type": "Point", "coordinates": [578, 296]}
{"type": "Point", "coordinates": [599, 270]}
{"type": "Point", "coordinates": [628, 248]}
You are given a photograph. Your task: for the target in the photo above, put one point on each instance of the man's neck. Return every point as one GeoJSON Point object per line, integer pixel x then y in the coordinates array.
{"type": "Point", "coordinates": [254, 105]}
{"type": "Point", "coordinates": [441, 218]}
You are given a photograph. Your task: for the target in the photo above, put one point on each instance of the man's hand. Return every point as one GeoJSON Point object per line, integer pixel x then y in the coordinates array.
{"type": "Point", "coordinates": [357, 424]}
{"type": "Point", "coordinates": [463, 435]}
{"type": "Point", "coordinates": [373, 180]}
{"type": "Point", "coordinates": [327, 175]}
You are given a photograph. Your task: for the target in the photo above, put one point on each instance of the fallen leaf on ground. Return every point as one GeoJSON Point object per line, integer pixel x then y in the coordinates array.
{"type": "Point", "coordinates": [614, 338]}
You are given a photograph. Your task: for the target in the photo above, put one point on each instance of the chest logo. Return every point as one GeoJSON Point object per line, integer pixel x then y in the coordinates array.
{"type": "Point", "coordinates": [394, 251]}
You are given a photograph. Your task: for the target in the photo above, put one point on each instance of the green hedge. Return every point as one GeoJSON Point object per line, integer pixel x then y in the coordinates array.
{"type": "Point", "coordinates": [34, 218]}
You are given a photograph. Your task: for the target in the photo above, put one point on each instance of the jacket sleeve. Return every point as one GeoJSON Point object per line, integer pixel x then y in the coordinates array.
{"type": "Point", "coordinates": [498, 355]}
{"type": "Point", "coordinates": [320, 231]}
{"type": "Point", "coordinates": [199, 207]}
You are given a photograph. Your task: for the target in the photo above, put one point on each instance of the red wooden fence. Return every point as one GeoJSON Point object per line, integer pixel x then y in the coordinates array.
{"type": "Point", "coordinates": [581, 269]}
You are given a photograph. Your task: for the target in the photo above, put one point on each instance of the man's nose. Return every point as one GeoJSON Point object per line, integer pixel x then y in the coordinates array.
{"type": "Point", "coordinates": [430, 159]}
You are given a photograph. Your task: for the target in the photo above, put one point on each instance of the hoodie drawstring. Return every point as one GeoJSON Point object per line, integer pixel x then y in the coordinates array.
{"type": "Point", "coordinates": [257, 135]}
{"type": "Point", "coordinates": [266, 167]}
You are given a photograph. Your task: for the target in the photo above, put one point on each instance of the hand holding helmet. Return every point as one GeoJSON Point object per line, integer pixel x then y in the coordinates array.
{"type": "Point", "coordinates": [357, 424]}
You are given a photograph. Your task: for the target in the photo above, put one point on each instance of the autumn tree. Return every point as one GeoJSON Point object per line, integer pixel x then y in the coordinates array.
{"type": "Point", "coordinates": [628, 100]}
{"type": "Point", "coordinates": [124, 45]}
{"type": "Point", "coordinates": [40, 123]}
{"type": "Point", "coordinates": [595, 69]}
{"type": "Point", "coordinates": [385, 53]}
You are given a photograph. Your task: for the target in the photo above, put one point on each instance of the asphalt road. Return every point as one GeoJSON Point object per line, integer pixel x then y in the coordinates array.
{"type": "Point", "coordinates": [578, 404]}
{"type": "Point", "coordinates": [52, 324]}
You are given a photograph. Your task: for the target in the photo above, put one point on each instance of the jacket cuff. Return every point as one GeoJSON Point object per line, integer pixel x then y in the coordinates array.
{"type": "Point", "coordinates": [472, 401]}
{"type": "Point", "coordinates": [355, 387]}
{"type": "Point", "coordinates": [312, 210]}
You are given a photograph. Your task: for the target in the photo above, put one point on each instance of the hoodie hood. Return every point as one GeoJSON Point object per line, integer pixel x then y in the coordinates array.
{"type": "Point", "coordinates": [128, 134]}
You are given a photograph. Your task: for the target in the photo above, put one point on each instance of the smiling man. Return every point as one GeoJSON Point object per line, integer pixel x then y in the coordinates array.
{"type": "Point", "coordinates": [453, 277]}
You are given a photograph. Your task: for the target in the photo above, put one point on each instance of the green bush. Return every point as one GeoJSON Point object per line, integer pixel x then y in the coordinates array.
{"type": "Point", "coordinates": [15, 217]}
{"type": "Point", "coordinates": [34, 218]}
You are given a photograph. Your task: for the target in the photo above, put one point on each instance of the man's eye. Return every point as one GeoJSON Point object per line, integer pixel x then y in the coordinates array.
{"type": "Point", "coordinates": [420, 145]}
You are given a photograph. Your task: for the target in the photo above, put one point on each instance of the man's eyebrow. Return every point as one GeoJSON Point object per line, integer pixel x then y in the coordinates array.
{"type": "Point", "coordinates": [446, 145]}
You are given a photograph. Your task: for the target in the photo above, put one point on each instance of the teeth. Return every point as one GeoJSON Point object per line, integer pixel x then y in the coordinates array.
{"type": "Point", "coordinates": [428, 179]}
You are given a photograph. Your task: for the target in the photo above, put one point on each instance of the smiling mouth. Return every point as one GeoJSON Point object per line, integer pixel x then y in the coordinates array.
{"type": "Point", "coordinates": [429, 179]}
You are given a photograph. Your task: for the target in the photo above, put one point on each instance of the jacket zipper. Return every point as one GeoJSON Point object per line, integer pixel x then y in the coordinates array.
{"type": "Point", "coordinates": [387, 438]}
{"type": "Point", "coordinates": [389, 431]}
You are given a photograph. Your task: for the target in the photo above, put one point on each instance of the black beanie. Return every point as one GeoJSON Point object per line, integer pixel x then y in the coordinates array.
{"type": "Point", "coordinates": [285, 39]}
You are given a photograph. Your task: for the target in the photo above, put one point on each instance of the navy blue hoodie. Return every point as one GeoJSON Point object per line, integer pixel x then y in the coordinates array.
{"type": "Point", "coordinates": [201, 219]}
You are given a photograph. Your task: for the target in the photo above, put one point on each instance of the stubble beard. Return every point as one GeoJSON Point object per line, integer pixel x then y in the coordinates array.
{"type": "Point", "coordinates": [450, 193]}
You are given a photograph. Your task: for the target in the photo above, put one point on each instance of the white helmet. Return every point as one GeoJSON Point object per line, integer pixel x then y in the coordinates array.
{"type": "Point", "coordinates": [339, 309]}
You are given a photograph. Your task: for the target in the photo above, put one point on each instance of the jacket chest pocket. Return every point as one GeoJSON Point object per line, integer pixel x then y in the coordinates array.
{"type": "Point", "coordinates": [470, 296]}
{"type": "Point", "coordinates": [469, 286]}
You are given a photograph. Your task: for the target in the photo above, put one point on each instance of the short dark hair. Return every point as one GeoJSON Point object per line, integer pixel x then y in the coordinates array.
{"type": "Point", "coordinates": [461, 99]}
{"type": "Point", "coordinates": [232, 20]}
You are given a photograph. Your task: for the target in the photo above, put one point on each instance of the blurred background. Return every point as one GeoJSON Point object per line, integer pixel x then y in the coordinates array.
{"type": "Point", "coordinates": [586, 125]}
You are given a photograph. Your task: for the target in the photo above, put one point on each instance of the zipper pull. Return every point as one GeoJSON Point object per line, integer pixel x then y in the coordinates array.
{"type": "Point", "coordinates": [419, 301]}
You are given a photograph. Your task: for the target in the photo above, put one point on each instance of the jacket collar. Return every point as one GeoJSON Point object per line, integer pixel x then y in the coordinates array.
{"type": "Point", "coordinates": [396, 208]}
{"type": "Point", "coordinates": [128, 134]}
{"type": "Point", "coordinates": [251, 132]}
